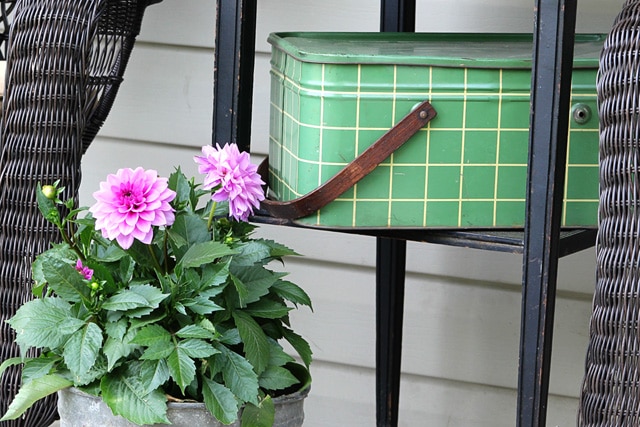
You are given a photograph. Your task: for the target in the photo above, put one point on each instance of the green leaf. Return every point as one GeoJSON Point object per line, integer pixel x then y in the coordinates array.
{"type": "Point", "coordinates": [151, 334]}
{"type": "Point", "coordinates": [242, 291]}
{"type": "Point", "coordinates": [220, 401]}
{"type": "Point", "coordinates": [181, 367]}
{"type": "Point", "coordinates": [195, 331]}
{"type": "Point", "coordinates": [157, 340]}
{"type": "Point", "coordinates": [268, 309]}
{"type": "Point", "coordinates": [44, 323]}
{"type": "Point", "coordinates": [238, 375]}
{"type": "Point", "coordinates": [277, 356]}
{"type": "Point", "coordinates": [154, 373]}
{"type": "Point", "coordinates": [277, 378]}
{"type": "Point", "coordinates": [256, 345]}
{"type": "Point", "coordinates": [38, 367]}
{"type": "Point", "coordinates": [124, 300]}
{"type": "Point", "coordinates": [204, 253]}
{"type": "Point", "coordinates": [251, 252]}
{"type": "Point", "coordinates": [137, 296]}
{"type": "Point", "coordinates": [63, 278]}
{"type": "Point", "coordinates": [110, 253]}
{"type": "Point", "coordinates": [179, 183]}
{"type": "Point", "coordinates": [214, 275]}
{"type": "Point", "coordinates": [187, 230]}
{"type": "Point", "coordinates": [299, 344]}
{"type": "Point", "coordinates": [13, 361]}
{"type": "Point", "coordinates": [33, 391]}
{"type": "Point", "coordinates": [278, 250]}
{"type": "Point", "coordinates": [201, 305]}
{"type": "Point", "coordinates": [82, 349]}
{"type": "Point", "coordinates": [197, 348]}
{"type": "Point", "coordinates": [126, 396]}
{"type": "Point", "coordinates": [257, 280]}
{"type": "Point", "coordinates": [291, 292]}
{"type": "Point", "coordinates": [262, 415]}
{"type": "Point", "coordinates": [118, 343]}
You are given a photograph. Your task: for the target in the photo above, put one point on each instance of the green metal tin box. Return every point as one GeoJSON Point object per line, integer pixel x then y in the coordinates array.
{"type": "Point", "coordinates": [334, 94]}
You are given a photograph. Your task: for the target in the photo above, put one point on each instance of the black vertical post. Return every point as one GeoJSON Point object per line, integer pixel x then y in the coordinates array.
{"type": "Point", "coordinates": [395, 16]}
{"type": "Point", "coordinates": [551, 79]}
{"type": "Point", "coordinates": [233, 72]}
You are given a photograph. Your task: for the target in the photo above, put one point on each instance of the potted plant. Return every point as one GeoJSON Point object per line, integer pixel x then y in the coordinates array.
{"type": "Point", "coordinates": [160, 293]}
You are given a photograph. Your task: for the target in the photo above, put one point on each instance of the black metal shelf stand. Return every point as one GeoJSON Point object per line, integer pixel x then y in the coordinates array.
{"type": "Point", "coordinates": [541, 242]}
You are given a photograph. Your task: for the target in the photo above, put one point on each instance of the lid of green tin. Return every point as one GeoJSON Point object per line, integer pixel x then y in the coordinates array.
{"type": "Point", "coordinates": [439, 49]}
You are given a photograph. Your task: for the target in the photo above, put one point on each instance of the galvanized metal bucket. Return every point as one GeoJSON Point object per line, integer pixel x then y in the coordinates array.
{"type": "Point", "coordinates": [79, 409]}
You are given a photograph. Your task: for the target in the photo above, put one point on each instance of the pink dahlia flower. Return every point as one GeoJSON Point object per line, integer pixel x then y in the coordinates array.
{"type": "Point", "coordinates": [129, 203]}
{"type": "Point", "coordinates": [233, 177]}
{"type": "Point", "coordinates": [85, 271]}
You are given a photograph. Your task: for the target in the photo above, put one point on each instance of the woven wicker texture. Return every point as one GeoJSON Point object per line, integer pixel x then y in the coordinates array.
{"type": "Point", "coordinates": [6, 12]}
{"type": "Point", "coordinates": [610, 393]}
{"type": "Point", "coordinates": [65, 64]}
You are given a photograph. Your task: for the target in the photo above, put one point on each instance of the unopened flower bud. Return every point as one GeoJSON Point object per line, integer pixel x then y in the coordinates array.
{"type": "Point", "coordinates": [49, 192]}
{"type": "Point", "coordinates": [95, 286]}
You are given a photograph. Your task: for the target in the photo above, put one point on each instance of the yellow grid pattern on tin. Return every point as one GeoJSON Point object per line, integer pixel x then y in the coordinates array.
{"type": "Point", "coordinates": [391, 169]}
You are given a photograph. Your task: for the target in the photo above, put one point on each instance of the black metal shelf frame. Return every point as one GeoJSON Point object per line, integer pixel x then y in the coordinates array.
{"type": "Point", "coordinates": [541, 242]}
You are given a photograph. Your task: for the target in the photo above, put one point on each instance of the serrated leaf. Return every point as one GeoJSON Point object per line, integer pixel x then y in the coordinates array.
{"type": "Point", "coordinates": [38, 367]}
{"type": "Point", "coordinates": [12, 361]}
{"type": "Point", "coordinates": [118, 343]}
{"type": "Point", "coordinates": [153, 374]}
{"type": "Point", "coordinates": [242, 291]}
{"type": "Point", "coordinates": [156, 339]}
{"type": "Point", "coordinates": [124, 300]}
{"type": "Point", "coordinates": [220, 401]}
{"type": "Point", "coordinates": [137, 296]}
{"type": "Point", "coordinates": [197, 348]}
{"type": "Point", "coordinates": [277, 356]}
{"type": "Point", "coordinates": [299, 344]}
{"type": "Point", "coordinates": [33, 391]}
{"type": "Point", "coordinates": [181, 367]}
{"type": "Point", "coordinates": [214, 275]}
{"type": "Point", "coordinates": [251, 252]}
{"type": "Point", "coordinates": [268, 309]}
{"type": "Point", "coordinates": [151, 334]}
{"type": "Point", "coordinates": [195, 331]}
{"type": "Point", "coordinates": [204, 253]}
{"type": "Point", "coordinates": [278, 250]}
{"type": "Point", "coordinates": [238, 375]}
{"type": "Point", "coordinates": [230, 337]}
{"type": "Point", "coordinates": [126, 396]}
{"type": "Point", "coordinates": [188, 229]}
{"type": "Point", "coordinates": [291, 292]}
{"type": "Point", "coordinates": [82, 349]}
{"type": "Point", "coordinates": [201, 305]}
{"type": "Point", "coordinates": [44, 323]}
{"type": "Point", "coordinates": [277, 378]}
{"type": "Point", "coordinates": [256, 345]}
{"type": "Point", "coordinates": [262, 415]}
{"type": "Point", "coordinates": [65, 281]}
{"type": "Point", "coordinates": [257, 280]}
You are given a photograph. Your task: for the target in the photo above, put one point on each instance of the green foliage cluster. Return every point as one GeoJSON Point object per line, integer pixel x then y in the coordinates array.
{"type": "Point", "coordinates": [195, 315]}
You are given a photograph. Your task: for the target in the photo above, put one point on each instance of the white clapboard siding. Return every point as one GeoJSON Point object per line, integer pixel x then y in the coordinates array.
{"type": "Point", "coordinates": [462, 306]}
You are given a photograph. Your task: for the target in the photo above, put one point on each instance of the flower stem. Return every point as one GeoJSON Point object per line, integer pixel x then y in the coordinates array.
{"type": "Point", "coordinates": [69, 242]}
{"type": "Point", "coordinates": [211, 215]}
{"type": "Point", "coordinates": [155, 258]}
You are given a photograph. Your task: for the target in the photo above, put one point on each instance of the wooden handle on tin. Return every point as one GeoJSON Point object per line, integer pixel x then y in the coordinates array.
{"type": "Point", "coordinates": [353, 172]}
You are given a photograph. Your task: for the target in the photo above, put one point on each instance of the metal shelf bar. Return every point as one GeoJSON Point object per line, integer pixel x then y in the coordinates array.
{"type": "Point", "coordinates": [554, 34]}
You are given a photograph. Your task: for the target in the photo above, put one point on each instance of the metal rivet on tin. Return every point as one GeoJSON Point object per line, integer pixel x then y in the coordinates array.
{"type": "Point", "coordinates": [581, 113]}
